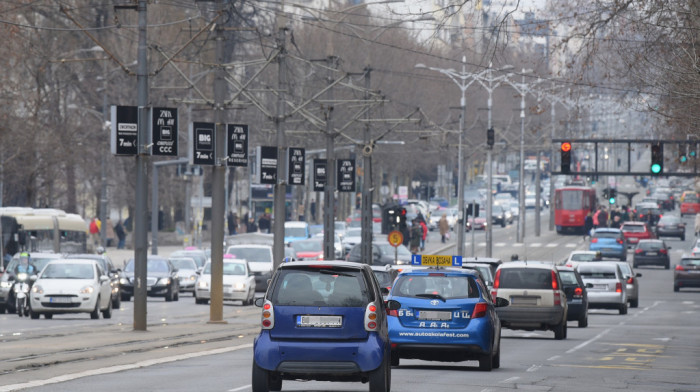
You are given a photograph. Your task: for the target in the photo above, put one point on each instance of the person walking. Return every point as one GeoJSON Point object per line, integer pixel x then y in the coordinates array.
{"type": "Point", "coordinates": [121, 234]}
{"type": "Point", "coordinates": [444, 227]}
{"type": "Point", "coordinates": [587, 225]}
{"type": "Point", "coordinates": [596, 221]}
{"type": "Point", "coordinates": [603, 217]}
{"type": "Point", "coordinates": [110, 235]}
{"type": "Point", "coordinates": [416, 235]}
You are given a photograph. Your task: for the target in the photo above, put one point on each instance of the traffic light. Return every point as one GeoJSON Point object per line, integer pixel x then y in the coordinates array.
{"type": "Point", "coordinates": [657, 158]}
{"type": "Point", "coordinates": [606, 193]}
{"type": "Point", "coordinates": [566, 157]}
{"type": "Point", "coordinates": [683, 158]}
{"type": "Point", "coordinates": [401, 217]}
{"type": "Point", "coordinates": [490, 137]}
{"type": "Point", "coordinates": [612, 196]}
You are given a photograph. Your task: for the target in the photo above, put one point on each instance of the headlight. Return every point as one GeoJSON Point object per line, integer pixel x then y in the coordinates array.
{"type": "Point", "coordinates": [5, 285]}
{"type": "Point", "coordinates": [36, 289]}
{"type": "Point", "coordinates": [203, 284]}
{"type": "Point", "coordinates": [163, 282]}
{"type": "Point", "coordinates": [193, 278]}
{"type": "Point", "coordinates": [239, 286]}
{"type": "Point", "coordinates": [22, 276]}
{"type": "Point", "coordinates": [124, 281]}
{"type": "Point", "coordinates": [87, 290]}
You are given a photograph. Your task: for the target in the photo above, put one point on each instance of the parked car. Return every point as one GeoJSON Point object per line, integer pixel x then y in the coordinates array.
{"type": "Point", "coordinates": [536, 294]}
{"type": "Point", "coordinates": [322, 322]}
{"type": "Point", "coordinates": [687, 273]}
{"type": "Point", "coordinates": [635, 231]}
{"type": "Point", "coordinates": [238, 283]}
{"type": "Point", "coordinates": [576, 295]}
{"type": "Point", "coordinates": [608, 289]}
{"type": "Point", "coordinates": [651, 252]}
{"type": "Point", "coordinates": [161, 280]}
{"type": "Point", "coordinates": [670, 226]}
{"type": "Point", "coordinates": [71, 286]}
{"type": "Point", "coordinates": [609, 242]}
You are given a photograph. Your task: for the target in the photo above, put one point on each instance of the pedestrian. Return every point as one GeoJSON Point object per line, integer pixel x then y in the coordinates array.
{"type": "Point", "coordinates": [121, 234]}
{"type": "Point", "coordinates": [596, 221]}
{"type": "Point", "coordinates": [603, 217]}
{"type": "Point", "coordinates": [232, 222]}
{"type": "Point", "coordinates": [424, 234]}
{"type": "Point", "coordinates": [443, 226]}
{"type": "Point", "coordinates": [95, 226]}
{"type": "Point", "coordinates": [110, 236]}
{"type": "Point", "coordinates": [251, 226]}
{"type": "Point", "coordinates": [264, 223]}
{"type": "Point", "coordinates": [587, 225]}
{"type": "Point", "coordinates": [616, 222]}
{"type": "Point", "coordinates": [416, 235]}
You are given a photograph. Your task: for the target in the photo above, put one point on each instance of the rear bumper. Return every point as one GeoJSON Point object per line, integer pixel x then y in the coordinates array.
{"type": "Point", "coordinates": [605, 299]}
{"type": "Point", "coordinates": [530, 317]}
{"type": "Point", "coordinates": [650, 260]}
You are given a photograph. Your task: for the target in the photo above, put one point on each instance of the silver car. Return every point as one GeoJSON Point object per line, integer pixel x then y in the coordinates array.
{"type": "Point", "coordinates": [632, 283]}
{"type": "Point", "coordinates": [608, 288]}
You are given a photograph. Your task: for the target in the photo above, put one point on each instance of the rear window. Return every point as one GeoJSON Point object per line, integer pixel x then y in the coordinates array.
{"type": "Point", "coordinates": [321, 287]}
{"type": "Point", "coordinates": [584, 257]}
{"type": "Point", "coordinates": [670, 220]}
{"type": "Point", "coordinates": [526, 278]}
{"type": "Point", "coordinates": [447, 286]}
{"type": "Point", "coordinates": [598, 274]}
{"type": "Point", "coordinates": [568, 277]}
{"type": "Point", "coordinates": [606, 234]}
{"type": "Point", "coordinates": [252, 254]}
{"type": "Point", "coordinates": [689, 262]}
{"type": "Point", "coordinates": [690, 199]}
{"type": "Point", "coordinates": [633, 228]}
{"type": "Point", "coordinates": [650, 245]}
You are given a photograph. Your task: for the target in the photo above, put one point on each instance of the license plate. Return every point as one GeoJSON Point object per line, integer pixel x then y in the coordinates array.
{"type": "Point", "coordinates": [651, 253]}
{"type": "Point", "coordinates": [600, 286]}
{"type": "Point", "coordinates": [523, 300]}
{"type": "Point", "coordinates": [434, 315]}
{"type": "Point", "coordinates": [694, 271]}
{"type": "Point", "coordinates": [320, 321]}
{"type": "Point", "coordinates": [60, 300]}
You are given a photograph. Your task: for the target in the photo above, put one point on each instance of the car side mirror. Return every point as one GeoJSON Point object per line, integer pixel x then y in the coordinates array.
{"type": "Point", "coordinates": [501, 302]}
{"type": "Point", "coordinates": [589, 285]}
{"type": "Point", "coordinates": [638, 275]}
{"type": "Point", "coordinates": [33, 278]}
{"type": "Point", "coordinates": [259, 302]}
{"type": "Point", "coordinates": [384, 290]}
{"type": "Point", "coordinates": [104, 278]}
{"type": "Point", "coordinates": [393, 304]}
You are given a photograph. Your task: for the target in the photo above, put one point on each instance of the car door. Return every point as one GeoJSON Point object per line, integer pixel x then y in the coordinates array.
{"type": "Point", "coordinates": [105, 287]}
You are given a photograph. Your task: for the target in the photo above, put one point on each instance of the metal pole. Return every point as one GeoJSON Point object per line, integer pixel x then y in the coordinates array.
{"type": "Point", "coordinates": [460, 170]}
{"type": "Point", "coordinates": [521, 175]}
{"type": "Point", "coordinates": [281, 185]}
{"type": "Point", "coordinates": [366, 213]}
{"type": "Point", "coordinates": [329, 194]}
{"type": "Point", "coordinates": [551, 169]}
{"type": "Point", "coordinates": [537, 195]}
{"type": "Point", "coordinates": [218, 192]}
{"type": "Point", "coordinates": [472, 229]}
{"type": "Point", "coordinates": [489, 173]}
{"type": "Point", "coordinates": [154, 210]}
{"type": "Point", "coordinates": [140, 234]}
{"type": "Point", "coordinates": [103, 157]}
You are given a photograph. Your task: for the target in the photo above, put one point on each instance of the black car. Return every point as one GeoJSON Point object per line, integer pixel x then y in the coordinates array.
{"type": "Point", "coordinates": [113, 272]}
{"type": "Point", "coordinates": [576, 295]}
{"type": "Point", "coordinates": [670, 226]}
{"type": "Point", "coordinates": [161, 280]}
{"type": "Point", "coordinates": [651, 252]}
{"type": "Point", "coordinates": [382, 254]}
{"type": "Point", "coordinates": [498, 215]}
{"type": "Point", "coordinates": [648, 212]}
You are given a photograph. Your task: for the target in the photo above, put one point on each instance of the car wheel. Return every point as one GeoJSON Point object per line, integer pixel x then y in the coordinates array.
{"type": "Point", "coordinates": [34, 315]}
{"type": "Point", "coordinates": [169, 296]}
{"type": "Point", "coordinates": [263, 380]}
{"type": "Point", "coordinates": [379, 377]}
{"type": "Point", "coordinates": [623, 308]}
{"type": "Point", "coordinates": [200, 301]}
{"type": "Point", "coordinates": [107, 313]}
{"type": "Point", "coordinates": [95, 314]}
{"type": "Point", "coordinates": [676, 288]}
{"type": "Point", "coordinates": [116, 302]}
{"type": "Point", "coordinates": [48, 316]}
{"type": "Point", "coordinates": [125, 297]}
{"type": "Point", "coordinates": [486, 362]}
{"type": "Point", "coordinates": [583, 322]}
{"type": "Point", "coordinates": [668, 265]}
{"type": "Point", "coordinates": [634, 303]}
{"type": "Point", "coordinates": [496, 360]}
{"type": "Point", "coordinates": [560, 331]}
{"type": "Point", "coordinates": [395, 359]}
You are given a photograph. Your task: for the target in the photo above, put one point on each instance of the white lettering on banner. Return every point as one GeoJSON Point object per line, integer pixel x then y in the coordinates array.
{"type": "Point", "coordinates": [269, 161]}
{"type": "Point", "coordinates": [204, 138]}
{"type": "Point", "coordinates": [128, 127]}
{"type": "Point", "coordinates": [165, 149]}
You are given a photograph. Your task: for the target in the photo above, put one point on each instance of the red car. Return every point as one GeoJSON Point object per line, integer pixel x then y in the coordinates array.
{"type": "Point", "coordinates": [690, 204]}
{"type": "Point", "coordinates": [635, 231]}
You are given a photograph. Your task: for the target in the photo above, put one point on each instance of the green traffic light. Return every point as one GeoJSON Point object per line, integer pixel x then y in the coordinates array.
{"type": "Point", "coordinates": [683, 158]}
{"type": "Point", "coordinates": [611, 200]}
{"type": "Point", "coordinates": [656, 168]}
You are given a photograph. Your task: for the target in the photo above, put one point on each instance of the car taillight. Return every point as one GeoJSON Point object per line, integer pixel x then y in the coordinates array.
{"type": "Point", "coordinates": [555, 283]}
{"type": "Point", "coordinates": [497, 280]}
{"type": "Point", "coordinates": [268, 315]}
{"type": "Point", "coordinates": [479, 310]}
{"type": "Point", "coordinates": [578, 292]}
{"type": "Point", "coordinates": [371, 317]}
{"type": "Point", "coordinates": [680, 268]}
{"type": "Point", "coordinates": [630, 280]}
{"type": "Point", "coordinates": [620, 241]}
{"type": "Point", "coordinates": [393, 312]}
{"type": "Point", "coordinates": [594, 240]}
{"type": "Point", "coordinates": [618, 287]}
{"type": "Point", "coordinates": [557, 298]}
{"type": "Point", "coordinates": [664, 251]}
{"type": "Point", "coordinates": [638, 251]}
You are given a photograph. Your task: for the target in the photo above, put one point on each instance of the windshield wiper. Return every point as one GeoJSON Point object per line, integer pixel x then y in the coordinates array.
{"type": "Point", "coordinates": [436, 296]}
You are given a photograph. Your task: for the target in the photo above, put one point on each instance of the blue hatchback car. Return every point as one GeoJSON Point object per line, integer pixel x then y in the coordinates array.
{"type": "Point", "coordinates": [609, 242]}
{"type": "Point", "coordinates": [322, 321]}
{"type": "Point", "coordinates": [444, 315]}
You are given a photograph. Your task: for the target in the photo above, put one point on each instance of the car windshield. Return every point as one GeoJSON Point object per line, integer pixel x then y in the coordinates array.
{"type": "Point", "coordinates": [295, 232]}
{"type": "Point", "coordinates": [446, 286]}
{"type": "Point", "coordinates": [568, 277]}
{"type": "Point", "coordinates": [68, 271]}
{"type": "Point", "coordinates": [252, 254]}
{"type": "Point", "coordinates": [651, 245]}
{"type": "Point", "coordinates": [526, 278]}
{"type": "Point", "coordinates": [320, 287]}
{"type": "Point", "coordinates": [308, 246]}
{"type": "Point", "coordinates": [154, 265]}
{"type": "Point", "coordinates": [597, 274]}
{"type": "Point", "coordinates": [691, 262]}
{"type": "Point", "coordinates": [183, 263]}
{"type": "Point", "coordinates": [571, 200]}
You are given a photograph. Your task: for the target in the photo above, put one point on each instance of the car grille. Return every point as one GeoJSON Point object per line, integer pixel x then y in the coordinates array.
{"type": "Point", "coordinates": [151, 281]}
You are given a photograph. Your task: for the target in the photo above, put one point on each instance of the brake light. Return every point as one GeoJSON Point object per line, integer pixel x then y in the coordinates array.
{"type": "Point", "coordinates": [618, 287]}
{"type": "Point", "coordinates": [557, 298]}
{"type": "Point", "coordinates": [479, 310]}
{"type": "Point", "coordinates": [393, 312]}
{"type": "Point", "coordinates": [620, 241]}
{"type": "Point", "coordinates": [436, 274]}
{"type": "Point", "coordinates": [371, 317]}
{"type": "Point", "coordinates": [680, 268]}
{"type": "Point", "coordinates": [497, 280]}
{"type": "Point", "coordinates": [268, 315]}
{"type": "Point", "coordinates": [594, 240]}
{"type": "Point", "coordinates": [555, 283]}
{"type": "Point", "coordinates": [638, 251]}
{"type": "Point", "coordinates": [578, 292]}
{"type": "Point", "coordinates": [630, 280]}
{"type": "Point", "coordinates": [319, 266]}
{"type": "Point", "coordinates": [664, 251]}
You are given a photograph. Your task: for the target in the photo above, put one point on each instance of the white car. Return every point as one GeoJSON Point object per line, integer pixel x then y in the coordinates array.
{"type": "Point", "coordinates": [186, 272]}
{"type": "Point", "coordinates": [259, 259]}
{"type": "Point", "coordinates": [71, 286]}
{"type": "Point", "coordinates": [578, 256]}
{"type": "Point", "coordinates": [239, 283]}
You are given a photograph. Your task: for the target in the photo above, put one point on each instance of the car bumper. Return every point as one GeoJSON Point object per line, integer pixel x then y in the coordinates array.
{"type": "Point", "coordinates": [332, 357]}
{"type": "Point", "coordinates": [605, 299]}
{"type": "Point", "coordinates": [441, 344]}
{"type": "Point", "coordinates": [620, 252]}
{"type": "Point", "coordinates": [46, 303]}
{"type": "Point", "coordinates": [529, 317]}
{"type": "Point", "coordinates": [650, 260]}
{"type": "Point", "coordinates": [153, 291]}
{"type": "Point", "coordinates": [669, 233]}
{"type": "Point", "coordinates": [576, 309]}
{"type": "Point", "coordinates": [187, 285]}
{"type": "Point", "coordinates": [686, 280]}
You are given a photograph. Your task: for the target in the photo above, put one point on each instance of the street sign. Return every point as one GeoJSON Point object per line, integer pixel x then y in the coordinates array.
{"type": "Point", "coordinates": [237, 145]}
{"type": "Point", "coordinates": [320, 177]}
{"type": "Point", "coordinates": [164, 130]}
{"type": "Point", "coordinates": [296, 167]}
{"type": "Point", "coordinates": [346, 175]}
{"type": "Point", "coordinates": [395, 238]}
{"type": "Point", "coordinates": [267, 158]}
{"type": "Point", "coordinates": [436, 260]}
{"type": "Point", "coordinates": [203, 142]}
{"type": "Point", "coordinates": [124, 133]}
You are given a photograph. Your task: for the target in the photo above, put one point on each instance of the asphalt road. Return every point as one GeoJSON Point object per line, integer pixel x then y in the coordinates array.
{"type": "Point", "coordinates": [655, 347]}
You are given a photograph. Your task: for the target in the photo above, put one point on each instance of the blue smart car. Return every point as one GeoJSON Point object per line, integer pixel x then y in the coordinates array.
{"type": "Point", "coordinates": [610, 242]}
{"type": "Point", "coordinates": [444, 315]}
{"type": "Point", "coordinates": [322, 320]}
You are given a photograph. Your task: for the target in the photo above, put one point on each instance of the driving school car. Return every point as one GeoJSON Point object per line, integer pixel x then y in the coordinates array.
{"type": "Point", "coordinates": [443, 314]}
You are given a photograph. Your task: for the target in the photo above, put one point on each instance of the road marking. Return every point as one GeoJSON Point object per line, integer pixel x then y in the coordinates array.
{"type": "Point", "coordinates": [688, 302]}
{"type": "Point", "coordinates": [499, 244]}
{"type": "Point", "coordinates": [552, 245]}
{"type": "Point", "coordinates": [120, 368]}
{"type": "Point", "coordinates": [587, 342]}
{"type": "Point", "coordinates": [240, 388]}
{"type": "Point", "coordinates": [509, 380]}
{"type": "Point", "coordinates": [534, 368]}
{"type": "Point", "coordinates": [571, 245]}
{"type": "Point", "coordinates": [535, 245]}
{"type": "Point", "coordinates": [554, 358]}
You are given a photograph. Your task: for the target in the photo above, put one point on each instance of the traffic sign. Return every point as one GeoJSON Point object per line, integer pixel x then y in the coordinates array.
{"type": "Point", "coordinates": [124, 133]}
{"type": "Point", "coordinates": [237, 145]}
{"type": "Point", "coordinates": [395, 238]}
{"type": "Point", "coordinates": [436, 260]}
{"type": "Point", "coordinates": [203, 142]}
{"type": "Point", "coordinates": [267, 162]}
{"type": "Point", "coordinates": [164, 131]}
{"type": "Point", "coordinates": [346, 175]}
{"type": "Point", "coordinates": [296, 167]}
{"type": "Point", "coordinates": [320, 177]}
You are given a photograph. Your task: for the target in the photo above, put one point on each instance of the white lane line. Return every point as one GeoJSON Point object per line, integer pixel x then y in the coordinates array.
{"type": "Point", "coordinates": [535, 245]}
{"type": "Point", "coordinates": [119, 368]}
{"type": "Point", "coordinates": [570, 245]}
{"type": "Point", "coordinates": [554, 358]}
{"type": "Point", "coordinates": [587, 342]}
{"type": "Point", "coordinates": [534, 368]}
{"type": "Point", "coordinates": [552, 245]}
{"type": "Point", "coordinates": [499, 244]}
{"type": "Point", "coordinates": [240, 388]}
{"type": "Point", "coordinates": [509, 380]}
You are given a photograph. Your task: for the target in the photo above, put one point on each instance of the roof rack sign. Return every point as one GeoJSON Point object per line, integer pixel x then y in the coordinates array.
{"type": "Point", "coordinates": [436, 260]}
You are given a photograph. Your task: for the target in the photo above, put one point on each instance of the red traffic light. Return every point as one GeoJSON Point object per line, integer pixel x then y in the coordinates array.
{"type": "Point", "coordinates": [566, 146]}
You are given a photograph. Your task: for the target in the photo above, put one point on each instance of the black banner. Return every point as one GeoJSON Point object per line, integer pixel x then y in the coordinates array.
{"type": "Point", "coordinates": [320, 176]}
{"type": "Point", "coordinates": [346, 175]}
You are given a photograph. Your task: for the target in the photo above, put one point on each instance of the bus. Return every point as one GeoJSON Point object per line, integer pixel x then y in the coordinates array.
{"type": "Point", "coordinates": [41, 229]}
{"type": "Point", "coordinates": [571, 205]}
